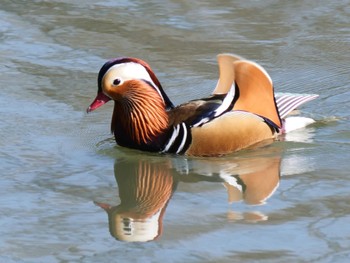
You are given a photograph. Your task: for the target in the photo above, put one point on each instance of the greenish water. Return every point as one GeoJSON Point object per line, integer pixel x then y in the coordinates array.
{"type": "Point", "coordinates": [59, 165]}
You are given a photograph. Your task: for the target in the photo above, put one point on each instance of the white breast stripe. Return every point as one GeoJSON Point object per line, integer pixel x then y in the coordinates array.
{"type": "Point", "coordinates": [172, 138]}
{"type": "Point", "coordinates": [184, 138]}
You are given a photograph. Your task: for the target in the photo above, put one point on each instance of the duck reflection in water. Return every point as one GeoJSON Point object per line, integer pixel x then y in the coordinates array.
{"type": "Point", "coordinates": [146, 185]}
{"type": "Point", "coordinates": [145, 188]}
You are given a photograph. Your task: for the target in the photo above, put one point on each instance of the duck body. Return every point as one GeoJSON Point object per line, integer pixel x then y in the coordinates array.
{"type": "Point", "coordinates": [242, 110]}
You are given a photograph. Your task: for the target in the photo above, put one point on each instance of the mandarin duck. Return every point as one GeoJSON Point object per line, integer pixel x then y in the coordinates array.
{"type": "Point", "coordinates": [243, 109]}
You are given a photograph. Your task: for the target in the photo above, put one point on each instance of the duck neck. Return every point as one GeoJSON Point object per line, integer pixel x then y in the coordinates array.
{"type": "Point", "coordinates": [140, 119]}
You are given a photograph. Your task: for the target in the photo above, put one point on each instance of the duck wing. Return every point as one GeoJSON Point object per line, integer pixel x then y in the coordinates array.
{"type": "Point", "coordinates": [195, 113]}
{"type": "Point", "coordinates": [226, 72]}
{"type": "Point", "coordinates": [256, 93]}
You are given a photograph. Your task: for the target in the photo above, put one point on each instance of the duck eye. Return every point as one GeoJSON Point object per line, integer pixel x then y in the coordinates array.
{"type": "Point", "coordinates": [116, 82]}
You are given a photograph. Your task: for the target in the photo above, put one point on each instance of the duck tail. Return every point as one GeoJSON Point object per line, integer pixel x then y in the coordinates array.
{"type": "Point", "coordinates": [286, 104]}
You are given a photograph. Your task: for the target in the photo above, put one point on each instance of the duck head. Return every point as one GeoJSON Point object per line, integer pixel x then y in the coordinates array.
{"type": "Point", "coordinates": [140, 109]}
{"type": "Point", "coordinates": [116, 74]}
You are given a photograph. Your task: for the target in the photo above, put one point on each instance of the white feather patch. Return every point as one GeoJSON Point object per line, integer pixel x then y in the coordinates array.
{"type": "Point", "coordinates": [226, 102]}
{"type": "Point", "coordinates": [294, 123]}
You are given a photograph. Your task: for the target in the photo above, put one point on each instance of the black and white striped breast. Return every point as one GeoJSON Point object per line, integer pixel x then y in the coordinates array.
{"type": "Point", "coordinates": [179, 140]}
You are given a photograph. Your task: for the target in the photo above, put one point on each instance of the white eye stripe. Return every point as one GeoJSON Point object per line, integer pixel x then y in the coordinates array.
{"type": "Point", "coordinates": [129, 71]}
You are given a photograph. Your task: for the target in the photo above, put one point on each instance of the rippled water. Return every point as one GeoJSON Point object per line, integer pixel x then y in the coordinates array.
{"type": "Point", "coordinates": [65, 186]}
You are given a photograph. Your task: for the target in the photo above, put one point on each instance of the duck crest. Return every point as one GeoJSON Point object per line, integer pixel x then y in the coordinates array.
{"type": "Point", "coordinates": [139, 116]}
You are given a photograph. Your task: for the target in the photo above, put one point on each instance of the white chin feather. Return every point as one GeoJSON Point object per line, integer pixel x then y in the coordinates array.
{"type": "Point", "coordinates": [294, 123]}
